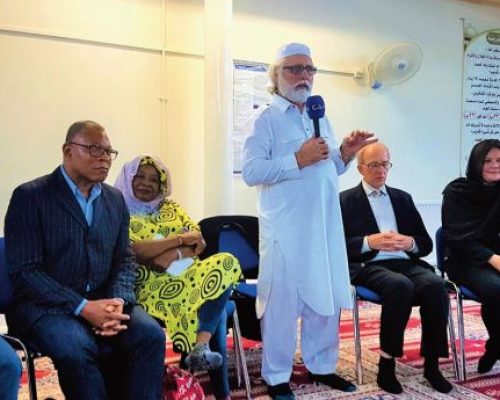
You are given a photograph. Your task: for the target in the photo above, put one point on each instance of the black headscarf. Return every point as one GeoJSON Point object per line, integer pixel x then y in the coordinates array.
{"type": "Point", "coordinates": [470, 205]}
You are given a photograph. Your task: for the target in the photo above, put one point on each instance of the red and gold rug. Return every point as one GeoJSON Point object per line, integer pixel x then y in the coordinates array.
{"type": "Point", "coordinates": [409, 367]}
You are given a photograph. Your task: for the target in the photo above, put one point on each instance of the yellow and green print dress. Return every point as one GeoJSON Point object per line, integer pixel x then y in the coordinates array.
{"type": "Point", "coordinates": [176, 299]}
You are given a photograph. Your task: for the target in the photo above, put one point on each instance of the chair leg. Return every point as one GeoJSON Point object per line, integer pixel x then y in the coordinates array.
{"type": "Point", "coordinates": [241, 352]}
{"type": "Point", "coordinates": [29, 360]}
{"type": "Point", "coordinates": [357, 336]}
{"type": "Point", "coordinates": [453, 344]}
{"type": "Point", "coordinates": [31, 376]}
{"type": "Point", "coordinates": [237, 357]}
{"type": "Point", "coordinates": [461, 333]}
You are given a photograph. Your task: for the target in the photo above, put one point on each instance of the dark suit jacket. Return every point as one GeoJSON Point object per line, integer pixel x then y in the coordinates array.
{"type": "Point", "coordinates": [359, 222]}
{"type": "Point", "coordinates": [53, 255]}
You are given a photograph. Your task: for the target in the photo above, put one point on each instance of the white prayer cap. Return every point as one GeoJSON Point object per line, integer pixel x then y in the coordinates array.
{"type": "Point", "coordinates": [293, 49]}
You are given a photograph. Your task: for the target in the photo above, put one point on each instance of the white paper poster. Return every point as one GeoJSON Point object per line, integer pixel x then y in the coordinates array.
{"type": "Point", "coordinates": [481, 92]}
{"type": "Point", "coordinates": [250, 92]}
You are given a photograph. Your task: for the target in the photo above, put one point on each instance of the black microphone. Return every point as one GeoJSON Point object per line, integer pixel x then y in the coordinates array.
{"type": "Point", "coordinates": [315, 107]}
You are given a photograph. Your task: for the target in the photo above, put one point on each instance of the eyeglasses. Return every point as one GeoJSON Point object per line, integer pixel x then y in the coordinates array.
{"type": "Point", "coordinates": [97, 151]}
{"type": "Point", "coordinates": [299, 69]}
{"type": "Point", "coordinates": [376, 164]}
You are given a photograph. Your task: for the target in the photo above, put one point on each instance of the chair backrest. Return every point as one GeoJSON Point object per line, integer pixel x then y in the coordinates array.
{"type": "Point", "coordinates": [235, 234]}
{"type": "Point", "coordinates": [441, 252]}
{"type": "Point", "coordinates": [5, 285]}
{"type": "Point", "coordinates": [232, 239]}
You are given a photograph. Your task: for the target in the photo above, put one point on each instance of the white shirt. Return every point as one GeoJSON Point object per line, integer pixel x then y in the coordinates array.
{"type": "Point", "coordinates": [383, 211]}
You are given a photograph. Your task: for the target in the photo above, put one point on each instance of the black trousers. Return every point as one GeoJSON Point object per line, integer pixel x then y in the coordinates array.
{"type": "Point", "coordinates": [485, 281]}
{"type": "Point", "coordinates": [402, 284]}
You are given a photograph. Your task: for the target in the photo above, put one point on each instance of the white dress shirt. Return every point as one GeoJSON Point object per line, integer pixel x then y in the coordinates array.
{"type": "Point", "coordinates": [383, 211]}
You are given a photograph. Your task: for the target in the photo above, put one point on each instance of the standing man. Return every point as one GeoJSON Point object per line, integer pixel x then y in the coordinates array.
{"type": "Point", "coordinates": [67, 248]}
{"type": "Point", "coordinates": [385, 239]}
{"type": "Point", "coordinates": [303, 269]}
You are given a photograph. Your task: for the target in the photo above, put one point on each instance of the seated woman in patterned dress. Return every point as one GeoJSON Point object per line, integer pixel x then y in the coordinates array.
{"type": "Point", "coordinates": [191, 302]}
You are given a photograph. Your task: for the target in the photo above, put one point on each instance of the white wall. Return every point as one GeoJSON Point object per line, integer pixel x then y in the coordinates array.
{"type": "Point", "coordinates": [419, 119]}
{"type": "Point", "coordinates": [102, 60]}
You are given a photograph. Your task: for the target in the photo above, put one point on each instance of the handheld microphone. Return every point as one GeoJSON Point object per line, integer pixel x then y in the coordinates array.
{"type": "Point", "coordinates": [315, 107]}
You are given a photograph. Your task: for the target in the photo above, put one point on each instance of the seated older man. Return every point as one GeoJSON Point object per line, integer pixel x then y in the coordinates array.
{"type": "Point", "coordinates": [385, 239]}
{"type": "Point", "coordinates": [67, 247]}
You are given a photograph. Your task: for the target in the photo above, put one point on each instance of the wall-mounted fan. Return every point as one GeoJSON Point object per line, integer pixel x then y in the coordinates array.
{"type": "Point", "coordinates": [395, 64]}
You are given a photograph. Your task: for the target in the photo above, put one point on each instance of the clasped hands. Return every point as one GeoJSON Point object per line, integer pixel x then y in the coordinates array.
{"type": "Point", "coordinates": [390, 241]}
{"type": "Point", "coordinates": [186, 244]}
{"type": "Point", "coordinates": [192, 242]}
{"type": "Point", "coordinates": [316, 149]}
{"type": "Point", "coordinates": [106, 316]}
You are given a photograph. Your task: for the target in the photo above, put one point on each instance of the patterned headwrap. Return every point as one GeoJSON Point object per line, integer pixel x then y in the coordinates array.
{"type": "Point", "coordinates": [124, 184]}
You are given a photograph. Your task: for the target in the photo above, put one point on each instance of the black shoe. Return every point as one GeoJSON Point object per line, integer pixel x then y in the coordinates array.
{"type": "Point", "coordinates": [281, 391]}
{"type": "Point", "coordinates": [386, 377]}
{"type": "Point", "coordinates": [438, 381]}
{"type": "Point", "coordinates": [334, 381]}
{"type": "Point", "coordinates": [486, 362]}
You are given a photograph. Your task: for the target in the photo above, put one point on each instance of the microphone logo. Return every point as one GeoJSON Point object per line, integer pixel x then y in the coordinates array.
{"type": "Point", "coordinates": [315, 107]}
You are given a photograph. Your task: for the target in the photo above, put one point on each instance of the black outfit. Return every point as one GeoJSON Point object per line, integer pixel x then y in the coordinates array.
{"type": "Point", "coordinates": [471, 227]}
{"type": "Point", "coordinates": [401, 283]}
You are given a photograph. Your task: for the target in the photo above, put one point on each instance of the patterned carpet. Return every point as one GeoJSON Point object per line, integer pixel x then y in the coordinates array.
{"type": "Point", "coordinates": [409, 367]}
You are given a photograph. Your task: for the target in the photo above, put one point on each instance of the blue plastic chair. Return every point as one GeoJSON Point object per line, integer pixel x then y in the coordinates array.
{"type": "Point", "coordinates": [362, 293]}
{"type": "Point", "coordinates": [238, 235]}
{"type": "Point", "coordinates": [220, 238]}
{"type": "Point", "coordinates": [461, 293]}
{"type": "Point", "coordinates": [29, 354]}
{"type": "Point", "coordinates": [232, 241]}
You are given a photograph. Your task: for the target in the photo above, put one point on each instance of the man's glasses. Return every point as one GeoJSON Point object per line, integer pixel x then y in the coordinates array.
{"type": "Point", "coordinates": [376, 164]}
{"type": "Point", "coordinates": [299, 69]}
{"type": "Point", "coordinates": [97, 151]}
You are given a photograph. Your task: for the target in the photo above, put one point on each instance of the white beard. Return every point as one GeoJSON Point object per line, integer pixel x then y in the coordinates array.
{"type": "Point", "coordinates": [292, 93]}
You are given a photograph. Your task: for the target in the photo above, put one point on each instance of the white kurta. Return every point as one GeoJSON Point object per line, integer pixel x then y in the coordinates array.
{"type": "Point", "coordinates": [299, 210]}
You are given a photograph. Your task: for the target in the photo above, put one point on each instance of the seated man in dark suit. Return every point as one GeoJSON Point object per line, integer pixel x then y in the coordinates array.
{"type": "Point", "coordinates": [67, 248]}
{"type": "Point", "coordinates": [385, 239]}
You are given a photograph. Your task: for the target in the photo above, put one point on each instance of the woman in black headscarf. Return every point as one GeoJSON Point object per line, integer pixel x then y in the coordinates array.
{"type": "Point", "coordinates": [471, 225]}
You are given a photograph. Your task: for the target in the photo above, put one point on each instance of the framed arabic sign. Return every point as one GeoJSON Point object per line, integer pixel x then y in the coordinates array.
{"type": "Point", "coordinates": [481, 92]}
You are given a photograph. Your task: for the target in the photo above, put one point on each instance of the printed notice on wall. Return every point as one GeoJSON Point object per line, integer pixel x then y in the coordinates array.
{"type": "Point", "coordinates": [249, 91]}
{"type": "Point", "coordinates": [481, 92]}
